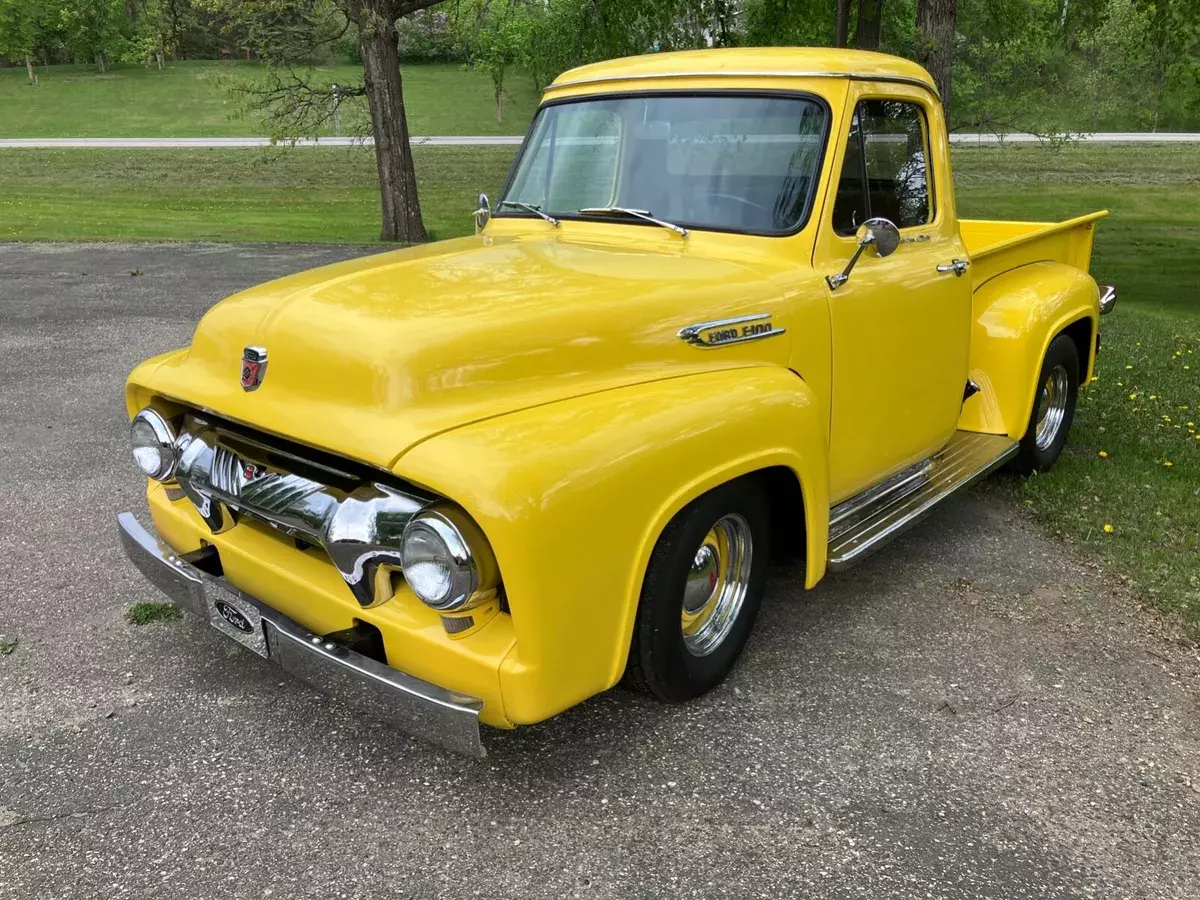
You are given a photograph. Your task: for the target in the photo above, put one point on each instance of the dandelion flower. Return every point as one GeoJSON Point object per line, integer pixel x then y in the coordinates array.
{"type": "Point", "coordinates": [1107, 528]}
{"type": "Point", "coordinates": [1129, 367]}
{"type": "Point", "coordinates": [1167, 463]}
{"type": "Point", "coordinates": [1133, 396]}
{"type": "Point", "coordinates": [1154, 396]}
{"type": "Point", "coordinates": [1104, 454]}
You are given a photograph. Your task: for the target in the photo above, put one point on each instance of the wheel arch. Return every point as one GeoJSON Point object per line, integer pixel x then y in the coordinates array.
{"type": "Point", "coordinates": [574, 495]}
{"type": "Point", "coordinates": [1016, 316]}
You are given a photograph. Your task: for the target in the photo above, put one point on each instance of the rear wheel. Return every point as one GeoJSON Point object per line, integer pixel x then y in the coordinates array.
{"type": "Point", "coordinates": [702, 590]}
{"type": "Point", "coordinates": [1053, 408]}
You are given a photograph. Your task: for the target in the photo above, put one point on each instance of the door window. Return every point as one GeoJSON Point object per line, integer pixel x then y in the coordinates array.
{"type": "Point", "coordinates": [885, 171]}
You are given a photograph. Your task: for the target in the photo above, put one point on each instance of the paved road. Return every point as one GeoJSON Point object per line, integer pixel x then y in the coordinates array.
{"type": "Point", "coordinates": [1161, 137]}
{"type": "Point", "coordinates": [974, 712]}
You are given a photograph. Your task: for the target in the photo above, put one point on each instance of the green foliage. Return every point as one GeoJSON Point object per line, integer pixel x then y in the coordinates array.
{"type": "Point", "coordinates": [92, 29]}
{"type": "Point", "coordinates": [21, 24]}
{"type": "Point", "coordinates": [429, 36]}
{"type": "Point", "coordinates": [145, 613]}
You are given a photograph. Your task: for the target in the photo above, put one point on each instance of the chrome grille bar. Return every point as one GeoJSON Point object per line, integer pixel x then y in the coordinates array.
{"type": "Point", "coordinates": [360, 528]}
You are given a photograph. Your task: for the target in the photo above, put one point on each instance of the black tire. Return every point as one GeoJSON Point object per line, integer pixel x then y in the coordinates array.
{"type": "Point", "coordinates": [1032, 457]}
{"type": "Point", "coordinates": [660, 661]}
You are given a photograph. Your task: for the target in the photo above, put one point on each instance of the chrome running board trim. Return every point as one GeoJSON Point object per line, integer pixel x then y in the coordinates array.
{"type": "Point", "coordinates": [864, 523]}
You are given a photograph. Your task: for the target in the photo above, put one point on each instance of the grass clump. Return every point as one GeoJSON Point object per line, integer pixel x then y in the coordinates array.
{"type": "Point", "coordinates": [145, 613]}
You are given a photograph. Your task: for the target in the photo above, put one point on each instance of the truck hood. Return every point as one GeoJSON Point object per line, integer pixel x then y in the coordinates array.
{"type": "Point", "coordinates": [367, 358]}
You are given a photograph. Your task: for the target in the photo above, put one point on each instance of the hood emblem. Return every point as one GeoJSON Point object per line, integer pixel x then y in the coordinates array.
{"type": "Point", "coordinates": [254, 367]}
{"type": "Point", "coordinates": [737, 330]}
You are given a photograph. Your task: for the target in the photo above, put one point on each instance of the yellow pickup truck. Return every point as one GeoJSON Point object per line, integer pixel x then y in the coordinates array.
{"type": "Point", "coordinates": [722, 311]}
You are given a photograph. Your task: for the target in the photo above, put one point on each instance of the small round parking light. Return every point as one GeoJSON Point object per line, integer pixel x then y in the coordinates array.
{"type": "Point", "coordinates": [153, 441]}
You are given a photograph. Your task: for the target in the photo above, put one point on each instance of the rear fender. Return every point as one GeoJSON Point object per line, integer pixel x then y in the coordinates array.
{"type": "Point", "coordinates": [573, 496]}
{"type": "Point", "coordinates": [1016, 315]}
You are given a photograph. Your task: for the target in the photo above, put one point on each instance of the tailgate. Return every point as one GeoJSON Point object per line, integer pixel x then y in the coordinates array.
{"type": "Point", "coordinates": [996, 246]}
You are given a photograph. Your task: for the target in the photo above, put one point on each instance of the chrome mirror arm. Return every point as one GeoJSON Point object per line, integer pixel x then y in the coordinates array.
{"type": "Point", "coordinates": [876, 232]}
{"type": "Point", "coordinates": [836, 281]}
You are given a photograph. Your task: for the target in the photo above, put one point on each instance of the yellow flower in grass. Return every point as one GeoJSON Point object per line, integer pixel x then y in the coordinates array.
{"type": "Point", "coordinates": [1133, 396]}
{"type": "Point", "coordinates": [1167, 463]}
{"type": "Point", "coordinates": [1107, 528]}
{"type": "Point", "coordinates": [1129, 367]}
{"type": "Point", "coordinates": [1104, 454]}
{"type": "Point", "coordinates": [1154, 396]}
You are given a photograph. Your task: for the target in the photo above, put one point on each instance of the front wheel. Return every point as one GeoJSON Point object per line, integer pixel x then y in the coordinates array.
{"type": "Point", "coordinates": [702, 590]}
{"type": "Point", "coordinates": [1053, 408]}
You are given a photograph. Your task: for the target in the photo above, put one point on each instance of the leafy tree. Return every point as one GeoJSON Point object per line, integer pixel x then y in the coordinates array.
{"type": "Point", "coordinates": [288, 35]}
{"type": "Point", "coordinates": [495, 34]}
{"type": "Point", "coordinates": [92, 29]}
{"type": "Point", "coordinates": [21, 23]}
{"type": "Point", "coordinates": [1173, 30]}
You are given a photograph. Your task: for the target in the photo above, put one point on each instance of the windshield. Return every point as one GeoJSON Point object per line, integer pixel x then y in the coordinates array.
{"type": "Point", "coordinates": [724, 162]}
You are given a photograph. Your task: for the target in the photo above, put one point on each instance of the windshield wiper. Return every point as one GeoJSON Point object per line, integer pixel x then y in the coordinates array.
{"type": "Point", "coordinates": [643, 214]}
{"type": "Point", "coordinates": [529, 207]}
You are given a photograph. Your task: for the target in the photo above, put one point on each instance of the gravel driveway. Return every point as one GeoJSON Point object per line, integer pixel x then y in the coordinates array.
{"type": "Point", "coordinates": [974, 712]}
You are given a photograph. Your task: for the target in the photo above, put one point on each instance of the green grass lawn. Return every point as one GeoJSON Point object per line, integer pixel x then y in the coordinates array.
{"type": "Point", "coordinates": [1143, 413]}
{"type": "Point", "coordinates": [306, 194]}
{"type": "Point", "coordinates": [1133, 462]}
{"type": "Point", "coordinates": [191, 99]}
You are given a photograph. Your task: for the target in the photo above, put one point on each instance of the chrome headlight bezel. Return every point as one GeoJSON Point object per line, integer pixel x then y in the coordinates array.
{"type": "Point", "coordinates": [162, 439]}
{"type": "Point", "coordinates": [465, 552]}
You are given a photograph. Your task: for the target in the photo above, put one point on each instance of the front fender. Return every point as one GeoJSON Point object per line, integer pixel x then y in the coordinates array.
{"type": "Point", "coordinates": [573, 496]}
{"type": "Point", "coordinates": [1016, 315]}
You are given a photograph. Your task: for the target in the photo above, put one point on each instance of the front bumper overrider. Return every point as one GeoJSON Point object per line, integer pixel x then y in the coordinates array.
{"type": "Point", "coordinates": [443, 717]}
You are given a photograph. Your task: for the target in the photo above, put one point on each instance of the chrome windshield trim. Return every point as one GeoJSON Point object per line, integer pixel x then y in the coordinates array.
{"type": "Point", "coordinates": [661, 76]}
{"type": "Point", "coordinates": [360, 528]}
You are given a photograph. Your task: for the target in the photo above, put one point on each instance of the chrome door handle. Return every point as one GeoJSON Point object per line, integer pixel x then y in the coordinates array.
{"type": "Point", "coordinates": [957, 266]}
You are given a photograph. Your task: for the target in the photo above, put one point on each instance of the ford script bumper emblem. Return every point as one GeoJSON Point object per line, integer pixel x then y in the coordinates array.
{"type": "Point", "coordinates": [234, 617]}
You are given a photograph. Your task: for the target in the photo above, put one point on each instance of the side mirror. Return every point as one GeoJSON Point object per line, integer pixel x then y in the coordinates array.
{"type": "Point", "coordinates": [482, 213]}
{"type": "Point", "coordinates": [879, 233]}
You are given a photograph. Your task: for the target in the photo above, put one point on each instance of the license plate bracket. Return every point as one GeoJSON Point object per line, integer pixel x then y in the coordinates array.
{"type": "Point", "coordinates": [239, 619]}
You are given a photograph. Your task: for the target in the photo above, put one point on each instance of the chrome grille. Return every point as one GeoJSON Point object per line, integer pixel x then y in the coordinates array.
{"type": "Point", "coordinates": [359, 527]}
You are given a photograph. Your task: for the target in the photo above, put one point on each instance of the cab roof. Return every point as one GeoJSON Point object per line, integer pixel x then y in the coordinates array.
{"type": "Point", "coordinates": [821, 62]}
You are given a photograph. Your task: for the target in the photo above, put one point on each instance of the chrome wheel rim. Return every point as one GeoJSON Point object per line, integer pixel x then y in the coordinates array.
{"type": "Point", "coordinates": [1052, 407]}
{"type": "Point", "coordinates": [717, 584]}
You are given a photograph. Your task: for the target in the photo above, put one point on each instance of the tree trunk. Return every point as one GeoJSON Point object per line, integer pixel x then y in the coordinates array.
{"type": "Point", "coordinates": [935, 22]}
{"type": "Point", "coordinates": [870, 23]}
{"type": "Point", "coordinates": [842, 28]}
{"type": "Point", "coordinates": [33, 79]}
{"type": "Point", "coordinates": [401, 208]}
{"type": "Point", "coordinates": [102, 62]}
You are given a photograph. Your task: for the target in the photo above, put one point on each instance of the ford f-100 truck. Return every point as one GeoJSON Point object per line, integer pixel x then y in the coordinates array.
{"type": "Point", "coordinates": [722, 311]}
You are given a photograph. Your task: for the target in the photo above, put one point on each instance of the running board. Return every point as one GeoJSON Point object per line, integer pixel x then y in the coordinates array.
{"type": "Point", "coordinates": [864, 523]}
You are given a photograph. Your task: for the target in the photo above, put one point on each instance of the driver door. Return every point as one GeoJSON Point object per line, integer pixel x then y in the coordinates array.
{"type": "Point", "coordinates": [900, 328]}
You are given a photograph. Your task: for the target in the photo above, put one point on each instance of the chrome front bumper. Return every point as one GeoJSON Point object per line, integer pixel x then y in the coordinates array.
{"type": "Point", "coordinates": [424, 710]}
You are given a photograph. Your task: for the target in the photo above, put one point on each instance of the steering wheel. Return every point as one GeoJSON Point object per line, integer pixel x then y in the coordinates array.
{"type": "Point", "coordinates": [746, 213]}
{"type": "Point", "coordinates": [736, 199]}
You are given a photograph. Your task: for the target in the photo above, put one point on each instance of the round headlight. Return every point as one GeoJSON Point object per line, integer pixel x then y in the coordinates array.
{"type": "Point", "coordinates": [153, 441]}
{"type": "Point", "coordinates": [446, 560]}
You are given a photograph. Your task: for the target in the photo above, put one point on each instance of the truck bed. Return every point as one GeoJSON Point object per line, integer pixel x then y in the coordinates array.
{"type": "Point", "coordinates": [996, 247]}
